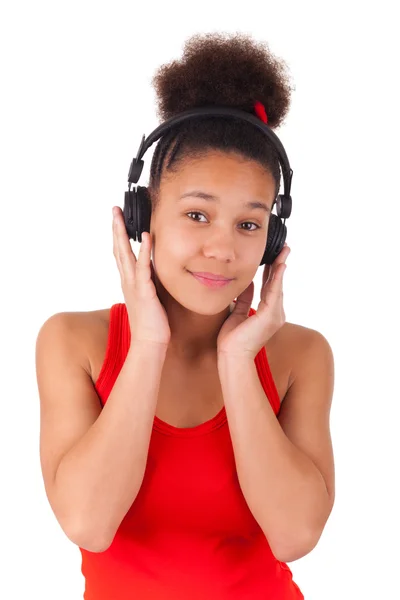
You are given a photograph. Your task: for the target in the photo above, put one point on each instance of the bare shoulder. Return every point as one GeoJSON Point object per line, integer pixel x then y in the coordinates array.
{"type": "Point", "coordinates": [88, 330]}
{"type": "Point", "coordinates": [301, 335]}
{"type": "Point", "coordinates": [301, 344]}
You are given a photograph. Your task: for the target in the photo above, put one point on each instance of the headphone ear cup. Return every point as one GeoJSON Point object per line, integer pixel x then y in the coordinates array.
{"type": "Point", "coordinates": [137, 212]}
{"type": "Point", "coordinates": [143, 210]}
{"type": "Point", "coordinates": [275, 240]}
{"type": "Point", "coordinates": [129, 213]}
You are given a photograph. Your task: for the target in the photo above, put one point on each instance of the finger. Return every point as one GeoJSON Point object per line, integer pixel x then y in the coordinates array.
{"type": "Point", "coordinates": [153, 273]}
{"type": "Point", "coordinates": [115, 244]}
{"type": "Point", "coordinates": [143, 269]}
{"type": "Point", "coordinates": [274, 286]}
{"type": "Point", "coordinates": [276, 281]}
{"type": "Point", "coordinates": [282, 256]}
{"type": "Point", "coordinates": [143, 252]}
{"type": "Point", "coordinates": [266, 274]}
{"type": "Point", "coordinates": [279, 260]}
{"type": "Point", "coordinates": [126, 259]}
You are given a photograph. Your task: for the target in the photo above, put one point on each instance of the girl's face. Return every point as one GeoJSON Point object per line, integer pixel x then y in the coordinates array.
{"type": "Point", "coordinates": [226, 235]}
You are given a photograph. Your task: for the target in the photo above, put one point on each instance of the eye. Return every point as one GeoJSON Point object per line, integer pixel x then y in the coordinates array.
{"type": "Point", "coordinates": [195, 212]}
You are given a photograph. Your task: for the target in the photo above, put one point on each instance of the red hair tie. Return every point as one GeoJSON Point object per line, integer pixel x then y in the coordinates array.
{"type": "Point", "coordinates": [260, 111]}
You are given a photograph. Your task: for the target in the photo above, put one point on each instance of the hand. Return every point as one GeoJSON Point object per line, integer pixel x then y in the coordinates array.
{"type": "Point", "coordinates": [148, 319]}
{"type": "Point", "coordinates": [241, 335]}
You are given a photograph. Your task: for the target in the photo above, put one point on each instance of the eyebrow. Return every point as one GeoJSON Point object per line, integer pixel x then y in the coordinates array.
{"type": "Point", "coordinates": [212, 198]}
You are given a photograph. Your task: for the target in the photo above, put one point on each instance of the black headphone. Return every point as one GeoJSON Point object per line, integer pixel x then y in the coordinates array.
{"type": "Point", "coordinates": [137, 205]}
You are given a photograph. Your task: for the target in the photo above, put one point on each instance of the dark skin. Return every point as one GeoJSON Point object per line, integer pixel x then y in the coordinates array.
{"type": "Point", "coordinates": [222, 239]}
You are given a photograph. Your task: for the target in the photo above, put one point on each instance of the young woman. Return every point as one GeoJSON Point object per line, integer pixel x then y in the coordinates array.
{"type": "Point", "coordinates": [185, 443]}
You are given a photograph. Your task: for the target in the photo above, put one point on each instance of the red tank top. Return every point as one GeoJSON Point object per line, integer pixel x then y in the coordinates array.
{"type": "Point", "coordinates": [189, 532]}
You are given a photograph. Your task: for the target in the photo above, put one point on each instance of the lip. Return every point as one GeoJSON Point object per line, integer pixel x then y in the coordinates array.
{"type": "Point", "coordinates": [211, 283]}
{"type": "Point", "coordinates": [210, 276]}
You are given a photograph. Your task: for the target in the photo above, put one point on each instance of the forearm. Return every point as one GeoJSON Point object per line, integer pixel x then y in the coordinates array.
{"type": "Point", "coordinates": [102, 474]}
{"type": "Point", "coordinates": [283, 488]}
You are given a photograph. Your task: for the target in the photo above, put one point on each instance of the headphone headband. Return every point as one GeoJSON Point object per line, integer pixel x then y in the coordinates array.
{"type": "Point", "coordinates": [137, 163]}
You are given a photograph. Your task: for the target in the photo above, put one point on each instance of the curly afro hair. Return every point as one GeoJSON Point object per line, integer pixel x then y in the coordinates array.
{"type": "Point", "coordinates": [225, 70]}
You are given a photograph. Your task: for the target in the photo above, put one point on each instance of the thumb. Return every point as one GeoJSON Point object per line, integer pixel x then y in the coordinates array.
{"type": "Point", "coordinates": [244, 300]}
{"type": "Point", "coordinates": [152, 271]}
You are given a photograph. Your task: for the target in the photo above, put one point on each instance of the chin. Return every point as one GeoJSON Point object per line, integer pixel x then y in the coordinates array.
{"type": "Point", "coordinates": [208, 309]}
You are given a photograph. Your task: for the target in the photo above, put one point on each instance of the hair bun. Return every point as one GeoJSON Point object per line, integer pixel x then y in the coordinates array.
{"type": "Point", "coordinates": [225, 70]}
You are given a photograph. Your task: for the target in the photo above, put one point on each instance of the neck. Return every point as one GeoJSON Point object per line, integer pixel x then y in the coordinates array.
{"type": "Point", "coordinates": [193, 334]}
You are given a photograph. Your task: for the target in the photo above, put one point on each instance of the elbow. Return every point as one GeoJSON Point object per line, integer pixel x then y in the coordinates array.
{"type": "Point", "coordinates": [294, 549]}
{"type": "Point", "coordinates": [87, 540]}
{"type": "Point", "coordinates": [294, 546]}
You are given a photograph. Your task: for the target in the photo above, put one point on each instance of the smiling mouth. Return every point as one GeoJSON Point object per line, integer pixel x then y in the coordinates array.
{"type": "Point", "coordinates": [211, 283]}
{"type": "Point", "coordinates": [212, 276]}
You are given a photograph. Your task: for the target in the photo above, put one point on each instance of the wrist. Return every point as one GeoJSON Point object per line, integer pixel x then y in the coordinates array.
{"type": "Point", "coordinates": [147, 347]}
{"type": "Point", "coordinates": [231, 356]}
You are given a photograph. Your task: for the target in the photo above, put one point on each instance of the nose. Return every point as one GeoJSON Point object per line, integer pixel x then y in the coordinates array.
{"type": "Point", "coordinates": [221, 245]}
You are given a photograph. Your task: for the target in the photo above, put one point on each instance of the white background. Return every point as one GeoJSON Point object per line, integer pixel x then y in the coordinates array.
{"type": "Point", "coordinates": [76, 99]}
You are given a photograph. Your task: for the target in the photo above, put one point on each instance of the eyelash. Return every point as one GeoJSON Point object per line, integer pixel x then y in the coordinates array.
{"type": "Point", "coordinates": [196, 212]}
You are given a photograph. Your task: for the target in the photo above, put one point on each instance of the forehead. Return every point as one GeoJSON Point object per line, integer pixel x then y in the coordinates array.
{"type": "Point", "coordinates": [218, 173]}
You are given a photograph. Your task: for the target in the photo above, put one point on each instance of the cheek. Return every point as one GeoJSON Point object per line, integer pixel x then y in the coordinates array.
{"type": "Point", "coordinates": [184, 248]}
{"type": "Point", "coordinates": [174, 250]}
{"type": "Point", "coordinates": [179, 246]}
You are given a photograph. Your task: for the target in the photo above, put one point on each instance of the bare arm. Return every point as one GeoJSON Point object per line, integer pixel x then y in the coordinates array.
{"type": "Point", "coordinates": [93, 458]}
{"type": "Point", "coordinates": [285, 465]}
